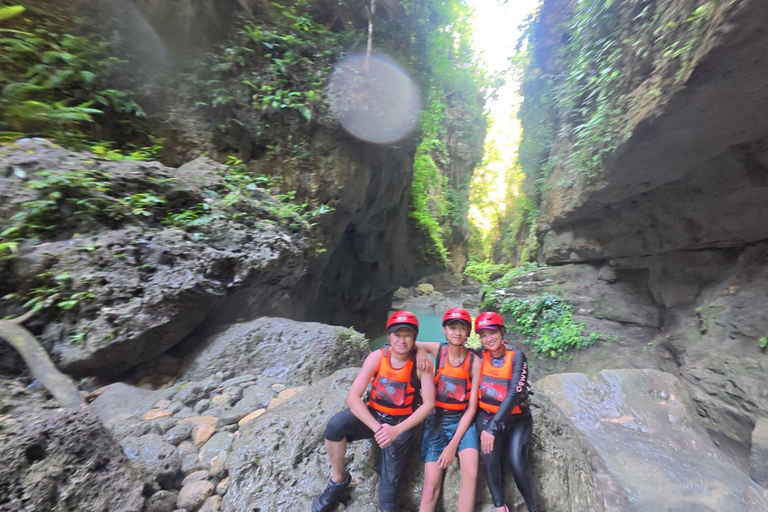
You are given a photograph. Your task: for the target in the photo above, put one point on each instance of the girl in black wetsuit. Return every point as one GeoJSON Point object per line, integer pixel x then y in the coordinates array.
{"type": "Point", "coordinates": [504, 420]}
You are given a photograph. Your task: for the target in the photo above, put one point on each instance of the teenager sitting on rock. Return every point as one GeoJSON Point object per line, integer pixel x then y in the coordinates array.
{"type": "Point", "coordinates": [388, 416]}
{"type": "Point", "coordinates": [451, 427]}
{"type": "Point", "coordinates": [504, 420]}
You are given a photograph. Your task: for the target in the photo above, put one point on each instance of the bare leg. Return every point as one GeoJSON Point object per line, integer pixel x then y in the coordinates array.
{"type": "Point", "coordinates": [469, 461]}
{"type": "Point", "coordinates": [337, 450]}
{"type": "Point", "coordinates": [432, 477]}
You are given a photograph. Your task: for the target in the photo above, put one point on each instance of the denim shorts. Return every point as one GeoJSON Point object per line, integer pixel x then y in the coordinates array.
{"type": "Point", "coordinates": [439, 429]}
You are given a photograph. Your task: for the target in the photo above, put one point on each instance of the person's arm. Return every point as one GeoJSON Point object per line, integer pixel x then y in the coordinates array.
{"type": "Point", "coordinates": [389, 433]}
{"type": "Point", "coordinates": [515, 395]}
{"type": "Point", "coordinates": [423, 362]}
{"type": "Point", "coordinates": [449, 453]}
{"type": "Point", "coordinates": [355, 394]}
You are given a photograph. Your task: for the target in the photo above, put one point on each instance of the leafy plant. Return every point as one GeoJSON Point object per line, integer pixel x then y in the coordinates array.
{"type": "Point", "coordinates": [764, 342]}
{"type": "Point", "coordinates": [547, 323]}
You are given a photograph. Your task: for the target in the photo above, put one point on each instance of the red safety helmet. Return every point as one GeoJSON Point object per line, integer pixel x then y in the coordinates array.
{"type": "Point", "coordinates": [402, 319]}
{"type": "Point", "coordinates": [457, 314]}
{"type": "Point", "coordinates": [489, 320]}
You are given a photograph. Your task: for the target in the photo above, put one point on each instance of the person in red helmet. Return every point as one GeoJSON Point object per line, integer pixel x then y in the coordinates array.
{"type": "Point", "coordinates": [387, 416]}
{"type": "Point", "coordinates": [504, 420]}
{"type": "Point", "coordinates": [451, 427]}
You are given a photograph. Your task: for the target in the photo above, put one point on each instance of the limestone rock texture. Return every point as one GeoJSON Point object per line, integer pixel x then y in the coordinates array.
{"type": "Point", "coordinates": [289, 352]}
{"type": "Point", "coordinates": [278, 462]}
{"type": "Point", "coordinates": [53, 458]}
{"type": "Point", "coordinates": [693, 169]}
{"type": "Point", "coordinates": [645, 428]}
{"type": "Point", "coordinates": [147, 286]}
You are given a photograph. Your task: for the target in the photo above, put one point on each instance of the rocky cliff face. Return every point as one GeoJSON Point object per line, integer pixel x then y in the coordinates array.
{"type": "Point", "coordinates": [652, 193]}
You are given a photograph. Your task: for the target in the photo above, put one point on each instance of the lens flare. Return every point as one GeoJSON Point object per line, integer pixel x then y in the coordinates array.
{"type": "Point", "coordinates": [374, 99]}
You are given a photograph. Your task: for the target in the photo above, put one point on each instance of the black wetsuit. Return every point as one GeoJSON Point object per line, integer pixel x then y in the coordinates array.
{"type": "Point", "coordinates": [512, 434]}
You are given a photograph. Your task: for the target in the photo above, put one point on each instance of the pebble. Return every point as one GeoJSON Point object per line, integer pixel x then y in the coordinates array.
{"type": "Point", "coordinates": [283, 396]}
{"type": "Point", "coordinates": [223, 487]}
{"type": "Point", "coordinates": [163, 404]}
{"type": "Point", "coordinates": [174, 407]}
{"type": "Point", "coordinates": [202, 433]}
{"type": "Point", "coordinates": [223, 400]}
{"type": "Point", "coordinates": [278, 388]}
{"type": "Point", "coordinates": [252, 416]}
{"type": "Point", "coordinates": [202, 405]}
{"type": "Point", "coordinates": [164, 424]}
{"type": "Point", "coordinates": [186, 448]}
{"type": "Point", "coordinates": [193, 495]}
{"type": "Point", "coordinates": [195, 477]}
{"type": "Point", "coordinates": [211, 504]}
{"type": "Point", "coordinates": [204, 420]}
{"type": "Point", "coordinates": [161, 501]}
{"type": "Point", "coordinates": [156, 413]}
{"type": "Point", "coordinates": [235, 392]}
{"type": "Point", "coordinates": [238, 380]}
{"type": "Point", "coordinates": [191, 463]}
{"type": "Point", "coordinates": [217, 464]}
{"type": "Point", "coordinates": [180, 432]}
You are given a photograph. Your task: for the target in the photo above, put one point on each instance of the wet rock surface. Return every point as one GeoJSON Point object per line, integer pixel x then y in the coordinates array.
{"type": "Point", "coordinates": [62, 459]}
{"type": "Point", "coordinates": [645, 428]}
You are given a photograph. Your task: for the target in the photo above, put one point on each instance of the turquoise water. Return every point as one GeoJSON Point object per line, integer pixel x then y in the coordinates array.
{"type": "Point", "coordinates": [430, 328]}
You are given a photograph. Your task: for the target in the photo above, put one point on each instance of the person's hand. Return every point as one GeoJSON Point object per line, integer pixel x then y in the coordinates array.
{"type": "Point", "coordinates": [486, 442]}
{"type": "Point", "coordinates": [423, 361]}
{"type": "Point", "coordinates": [448, 456]}
{"type": "Point", "coordinates": [386, 435]}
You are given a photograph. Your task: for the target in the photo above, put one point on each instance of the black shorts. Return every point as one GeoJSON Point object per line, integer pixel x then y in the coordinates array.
{"type": "Point", "coordinates": [346, 424]}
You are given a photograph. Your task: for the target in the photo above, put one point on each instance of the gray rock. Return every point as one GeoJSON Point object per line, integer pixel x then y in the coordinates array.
{"type": "Point", "coordinates": [162, 404]}
{"type": "Point", "coordinates": [161, 501]}
{"type": "Point", "coordinates": [238, 380]}
{"type": "Point", "coordinates": [236, 392]}
{"type": "Point", "coordinates": [219, 442]}
{"type": "Point", "coordinates": [194, 494]}
{"type": "Point", "coordinates": [195, 477]}
{"type": "Point", "coordinates": [154, 453]}
{"type": "Point", "coordinates": [175, 407]}
{"type": "Point", "coordinates": [295, 353]}
{"type": "Point", "coordinates": [288, 445]}
{"type": "Point", "coordinates": [190, 463]}
{"type": "Point", "coordinates": [191, 392]}
{"type": "Point", "coordinates": [229, 428]}
{"type": "Point", "coordinates": [180, 432]}
{"type": "Point", "coordinates": [231, 416]}
{"type": "Point", "coordinates": [121, 399]}
{"type": "Point", "coordinates": [167, 365]}
{"type": "Point", "coordinates": [202, 405]}
{"type": "Point", "coordinates": [163, 424]}
{"type": "Point", "coordinates": [185, 412]}
{"type": "Point", "coordinates": [759, 453]}
{"type": "Point", "coordinates": [640, 420]}
{"type": "Point", "coordinates": [48, 453]}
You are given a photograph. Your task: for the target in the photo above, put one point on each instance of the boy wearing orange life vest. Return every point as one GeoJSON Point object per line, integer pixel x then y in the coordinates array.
{"type": "Point", "coordinates": [388, 416]}
{"type": "Point", "coordinates": [451, 427]}
{"type": "Point", "coordinates": [504, 420]}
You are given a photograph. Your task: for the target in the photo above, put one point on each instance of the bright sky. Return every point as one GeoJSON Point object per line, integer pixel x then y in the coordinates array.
{"type": "Point", "coordinates": [497, 29]}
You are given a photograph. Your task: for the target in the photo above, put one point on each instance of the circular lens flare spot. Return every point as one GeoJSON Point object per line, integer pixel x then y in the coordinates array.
{"type": "Point", "coordinates": [374, 100]}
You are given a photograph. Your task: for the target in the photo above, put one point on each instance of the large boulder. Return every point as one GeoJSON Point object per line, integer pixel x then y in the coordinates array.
{"type": "Point", "coordinates": [645, 428]}
{"type": "Point", "coordinates": [131, 287]}
{"type": "Point", "coordinates": [62, 459]}
{"type": "Point", "coordinates": [279, 462]}
{"type": "Point", "coordinates": [277, 350]}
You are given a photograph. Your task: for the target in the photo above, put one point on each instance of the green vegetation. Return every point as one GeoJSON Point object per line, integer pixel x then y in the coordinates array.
{"type": "Point", "coordinates": [547, 323]}
{"type": "Point", "coordinates": [54, 81]}
{"type": "Point", "coordinates": [619, 59]}
{"type": "Point", "coordinates": [280, 65]}
{"type": "Point", "coordinates": [448, 70]}
{"type": "Point", "coordinates": [764, 342]}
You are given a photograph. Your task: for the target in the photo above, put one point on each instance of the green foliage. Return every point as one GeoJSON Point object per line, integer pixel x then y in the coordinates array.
{"type": "Point", "coordinates": [55, 82]}
{"type": "Point", "coordinates": [105, 151]}
{"type": "Point", "coordinates": [48, 290]}
{"type": "Point", "coordinates": [764, 342]}
{"type": "Point", "coordinates": [9, 11]}
{"type": "Point", "coordinates": [281, 65]}
{"type": "Point", "coordinates": [547, 323]}
{"type": "Point", "coordinates": [485, 271]}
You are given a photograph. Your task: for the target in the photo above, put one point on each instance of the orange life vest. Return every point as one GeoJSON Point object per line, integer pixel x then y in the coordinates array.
{"type": "Point", "coordinates": [494, 383]}
{"type": "Point", "coordinates": [453, 384]}
{"type": "Point", "coordinates": [393, 390]}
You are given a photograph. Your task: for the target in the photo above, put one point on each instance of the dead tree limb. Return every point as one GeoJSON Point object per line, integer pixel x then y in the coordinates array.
{"type": "Point", "coordinates": [40, 365]}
